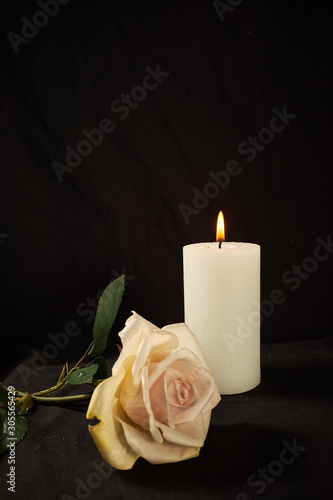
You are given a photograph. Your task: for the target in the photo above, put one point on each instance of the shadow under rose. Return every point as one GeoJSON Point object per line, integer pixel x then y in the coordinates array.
{"type": "Point", "coordinates": [231, 453]}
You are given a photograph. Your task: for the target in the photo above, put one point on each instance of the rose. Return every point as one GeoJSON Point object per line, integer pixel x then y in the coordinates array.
{"type": "Point", "coordinates": [157, 403]}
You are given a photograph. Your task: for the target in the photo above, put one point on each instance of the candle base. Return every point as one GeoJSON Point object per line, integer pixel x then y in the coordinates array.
{"type": "Point", "coordinates": [224, 391]}
{"type": "Point", "coordinates": [235, 372]}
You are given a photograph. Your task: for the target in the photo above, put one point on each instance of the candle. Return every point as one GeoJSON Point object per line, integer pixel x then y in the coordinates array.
{"type": "Point", "coordinates": [222, 308]}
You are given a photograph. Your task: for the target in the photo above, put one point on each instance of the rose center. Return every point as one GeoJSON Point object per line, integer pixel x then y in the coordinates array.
{"type": "Point", "coordinates": [182, 391]}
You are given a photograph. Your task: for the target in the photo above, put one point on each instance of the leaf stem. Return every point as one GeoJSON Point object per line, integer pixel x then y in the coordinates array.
{"type": "Point", "coordinates": [50, 390]}
{"type": "Point", "coordinates": [84, 356]}
{"type": "Point", "coordinates": [62, 399]}
{"type": "Point", "coordinates": [57, 400]}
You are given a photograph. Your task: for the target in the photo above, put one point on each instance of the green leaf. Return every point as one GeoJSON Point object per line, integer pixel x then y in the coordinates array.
{"type": "Point", "coordinates": [82, 375]}
{"type": "Point", "coordinates": [21, 427]}
{"type": "Point", "coordinates": [102, 368]}
{"type": "Point", "coordinates": [12, 433]}
{"type": "Point", "coordinates": [107, 310]}
{"type": "Point", "coordinates": [3, 395]}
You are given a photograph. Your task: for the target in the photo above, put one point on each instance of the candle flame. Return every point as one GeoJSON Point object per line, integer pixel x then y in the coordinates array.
{"type": "Point", "coordinates": [220, 233]}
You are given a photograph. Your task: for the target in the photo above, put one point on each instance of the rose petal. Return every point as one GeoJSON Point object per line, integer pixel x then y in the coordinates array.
{"type": "Point", "coordinates": [143, 444]}
{"type": "Point", "coordinates": [188, 434]}
{"type": "Point", "coordinates": [181, 393]}
{"type": "Point", "coordinates": [155, 433]}
{"type": "Point", "coordinates": [137, 407]}
{"type": "Point", "coordinates": [187, 339]}
{"type": "Point", "coordinates": [204, 387]}
{"type": "Point", "coordinates": [141, 360]}
{"type": "Point", "coordinates": [189, 361]}
{"type": "Point", "coordinates": [156, 342]}
{"type": "Point", "coordinates": [136, 329]}
{"type": "Point", "coordinates": [108, 433]}
{"type": "Point", "coordinates": [133, 403]}
{"type": "Point", "coordinates": [159, 401]}
{"type": "Point", "coordinates": [189, 365]}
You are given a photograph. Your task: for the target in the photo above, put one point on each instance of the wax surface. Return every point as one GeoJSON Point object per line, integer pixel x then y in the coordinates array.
{"type": "Point", "coordinates": [222, 308]}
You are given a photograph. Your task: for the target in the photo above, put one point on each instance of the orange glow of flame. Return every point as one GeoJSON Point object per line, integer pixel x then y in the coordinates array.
{"type": "Point", "coordinates": [220, 233]}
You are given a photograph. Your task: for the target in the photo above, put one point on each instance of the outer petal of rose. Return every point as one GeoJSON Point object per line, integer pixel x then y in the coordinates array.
{"type": "Point", "coordinates": [187, 434]}
{"type": "Point", "coordinates": [157, 342]}
{"type": "Point", "coordinates": [143, 444]}
{"type": "Point", "coordinates": [132, 402]}
{"type": "Point", "coordinates": [155, 433]}
{"type": "Point", "coordinates": [108, 433]}
{"type": "Point", "coordinates": [137, 405]}
{"type": "Point", "coordinates": [159, 401]}
{"type": "Point", "coordinates": [206, 420]}
{"type": "Point", "coordinates": [136, 329]}
{"type": "Point", "coordinates": [187, 339]}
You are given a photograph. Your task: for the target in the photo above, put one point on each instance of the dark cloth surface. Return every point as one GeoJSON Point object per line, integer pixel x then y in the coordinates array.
{"type": "Point", "coordinates": [292, 408]}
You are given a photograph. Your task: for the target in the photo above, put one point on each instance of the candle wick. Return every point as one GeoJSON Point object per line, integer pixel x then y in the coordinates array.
{"type": "Point", "coordinates": [220, 243]}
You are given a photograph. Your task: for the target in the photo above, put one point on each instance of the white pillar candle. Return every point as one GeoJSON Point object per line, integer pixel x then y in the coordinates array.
{"type": "Point", "coordinates": [222, 308]}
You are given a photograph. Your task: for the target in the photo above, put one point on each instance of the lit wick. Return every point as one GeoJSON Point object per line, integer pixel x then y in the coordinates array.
{"type": "Point", "coordinates": [220, 229]}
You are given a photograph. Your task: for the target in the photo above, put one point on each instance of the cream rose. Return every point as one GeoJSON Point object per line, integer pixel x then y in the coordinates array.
{"type": "Point", "coordinates": [157, 403]}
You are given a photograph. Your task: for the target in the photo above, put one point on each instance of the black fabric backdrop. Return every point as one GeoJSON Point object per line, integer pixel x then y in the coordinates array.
{"type": "Point", "coordinates": [144, 187]}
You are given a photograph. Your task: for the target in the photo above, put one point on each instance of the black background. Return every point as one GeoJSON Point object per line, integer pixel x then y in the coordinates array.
{"type": "Point", "coordinates": [118, 210]}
